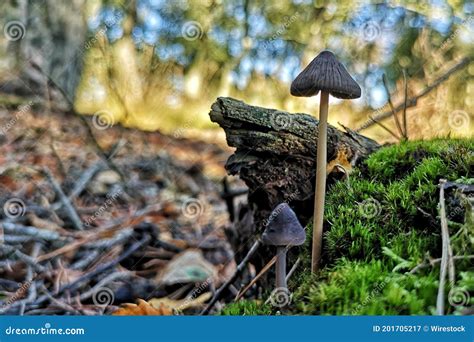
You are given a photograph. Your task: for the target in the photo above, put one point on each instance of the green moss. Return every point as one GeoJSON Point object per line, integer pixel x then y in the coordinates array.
{"type": "Point", "coordinates": [246, 308]}
{"type": "Point", "coordinates": [381, 223]}
{"type": "Point", "coordinates": [356, 288]}
{"type": "Point", "coordinates": [364, 215]}
{"type": "Point", "coordinates": [463, 293]}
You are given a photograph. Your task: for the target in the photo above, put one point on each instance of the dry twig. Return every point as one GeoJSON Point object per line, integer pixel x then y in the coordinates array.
{"type": "Point", "coordinates": [447, 254]}
{"type": "Point", "coordinates": [392, 108]}
{"type": "Point", "coordinates": [413, 101]}
{"type": "Point", "coordinates": [70, 210]}
{"type": "Point", "coordinates": [239, 269]}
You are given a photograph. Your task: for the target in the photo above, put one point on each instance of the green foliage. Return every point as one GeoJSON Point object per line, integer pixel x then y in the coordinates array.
{"type": "Point", "coordinates": [383, 222]}
{"type": "Point", "coordinates": [246, 308]}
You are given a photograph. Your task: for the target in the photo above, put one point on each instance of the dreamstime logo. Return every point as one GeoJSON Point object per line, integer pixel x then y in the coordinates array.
{"type": "Point", "coordinates": [178, 133]}
{"type": "Point", "coordinates": [103, 297]}
{"type": "Point", "coordinates": [458, 297]}
{"type": "Point", "coordinates": [192, 208]}
{"type": "Point", "coordinates": [194, 294]}
{"type": "Point", "coordinates": [448, 42]}
{"type": "Point", "coordinates": [459, 119]}
{"type": "Point", "coordinates": [280, 297]}
{"type": "Point", "coordinates": [108, 203]}
{"type": "Point", "coordinates": [109, 22]}
{"type": "Point", "coordinates": [14, 30]}
{"type": "Point", "coordinates": [20, 292]}
{"type": "Point", "coordinates": [370, 31]}
{"type": "Point", "coordinates": [459, 211]}
{"type": "Point", "coordinates": [372, 295]}
{"type": "Point", "coordinates": [22, 110]}
{"type": "Point", "coordinates": [103, 119]}
{"type": "Point", "coordinates": [280, 120]}
{"type": "Point", "coordinates": [191, 30]}
{"type": "Point", "coordinates": [279, 209]}
{"type": "Point", "coordinates": [370, 208]}
{"type": "Point", "coordinates": [14, 208]}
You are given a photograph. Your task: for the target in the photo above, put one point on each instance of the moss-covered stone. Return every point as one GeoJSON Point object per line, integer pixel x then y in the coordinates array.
{"type": "Point", "coordinates": [380, 224]}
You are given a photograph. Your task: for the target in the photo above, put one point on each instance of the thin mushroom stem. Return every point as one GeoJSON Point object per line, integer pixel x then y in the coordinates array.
{"type": "Point", "coordinates": [281, 267]}
{"type": "Point", "coordinates": [320, 192]}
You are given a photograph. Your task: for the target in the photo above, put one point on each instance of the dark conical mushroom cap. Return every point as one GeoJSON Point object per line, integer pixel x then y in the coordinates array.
{"type": "Point", "coordinates": [283, 228]}
{"type": "Point", "coordinates": [325, 73]}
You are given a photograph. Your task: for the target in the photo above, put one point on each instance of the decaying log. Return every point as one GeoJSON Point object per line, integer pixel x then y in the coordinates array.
{"type": "Point", "coordinates": [276, 156]}
{"type": "Point", "coordinates": [276, 153]}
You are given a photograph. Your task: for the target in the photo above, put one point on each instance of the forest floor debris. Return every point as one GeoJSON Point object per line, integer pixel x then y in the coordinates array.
{"type": "Point", "coordinates": [76, 239]}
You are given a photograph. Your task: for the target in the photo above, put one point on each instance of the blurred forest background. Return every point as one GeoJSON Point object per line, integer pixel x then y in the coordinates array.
{"type": "Point", "coordinates": [159, 65]}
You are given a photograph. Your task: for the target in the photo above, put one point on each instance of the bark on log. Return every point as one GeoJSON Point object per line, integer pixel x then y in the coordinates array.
{"type": "Point", "coordinates": [276, 156]}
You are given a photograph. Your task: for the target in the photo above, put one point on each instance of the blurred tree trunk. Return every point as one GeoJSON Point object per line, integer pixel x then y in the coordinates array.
{"type": "Point", "coordinates": [125, 79]}
{"type": "Point", "coordinates": [42, 37]}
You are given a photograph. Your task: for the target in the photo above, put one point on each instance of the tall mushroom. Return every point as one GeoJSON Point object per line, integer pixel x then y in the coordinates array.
{"type": "Point", "coordinates": [326, 74]}
{"type": "Point", "coordinates": [283, 231]}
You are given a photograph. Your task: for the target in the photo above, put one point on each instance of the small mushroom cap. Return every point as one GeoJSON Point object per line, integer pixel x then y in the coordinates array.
{"type": "Point", "coordinates": [325, 73]}
{"type": "Point", "coordinates": [283, 228]}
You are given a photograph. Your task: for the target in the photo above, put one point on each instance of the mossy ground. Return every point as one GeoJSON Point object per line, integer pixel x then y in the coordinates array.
{"type": "Point", "coordinates": [381, 223]}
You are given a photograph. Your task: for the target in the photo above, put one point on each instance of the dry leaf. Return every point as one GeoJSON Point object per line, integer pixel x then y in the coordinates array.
{"type": "Point", "coordinates": [143, 309]}
{"type": "Point", "coordinates": [341, 160]}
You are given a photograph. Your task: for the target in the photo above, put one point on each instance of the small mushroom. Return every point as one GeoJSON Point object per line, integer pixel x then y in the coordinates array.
{"type": "Point", "coordinates": [326, 74]}
{"type": "Point", "coordinates": [283, 231]}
